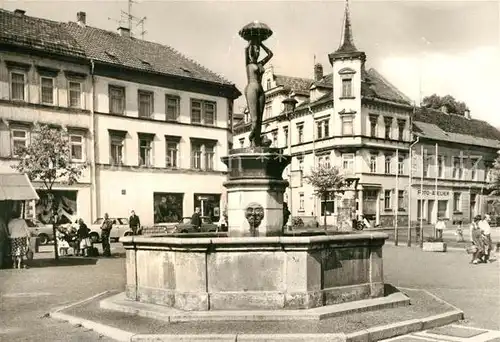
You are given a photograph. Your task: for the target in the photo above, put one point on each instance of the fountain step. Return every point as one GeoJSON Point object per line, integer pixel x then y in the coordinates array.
{"type": "Point", "coordinates": [119, 302]}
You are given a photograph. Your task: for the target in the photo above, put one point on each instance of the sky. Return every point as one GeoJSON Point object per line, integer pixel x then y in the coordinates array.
{"type": "Point", "coordinates": [421, 47]}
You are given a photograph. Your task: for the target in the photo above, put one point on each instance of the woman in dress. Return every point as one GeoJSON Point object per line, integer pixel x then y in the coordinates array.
{"type": "Point", "coordinates": [19, 239]}
{"type": "Point", "coordinates": [478, 248]}
{"type": "Point", "coordinates": [254, 92]}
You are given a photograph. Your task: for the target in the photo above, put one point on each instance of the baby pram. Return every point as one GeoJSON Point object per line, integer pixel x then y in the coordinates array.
{"type": "Point", "coordinates": [66, 239]}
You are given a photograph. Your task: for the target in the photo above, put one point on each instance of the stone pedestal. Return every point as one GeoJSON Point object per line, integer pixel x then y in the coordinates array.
{"type": "Point", "coordinates": [255, 191]}
{"type": "Point", "coordinates": [254, 273]}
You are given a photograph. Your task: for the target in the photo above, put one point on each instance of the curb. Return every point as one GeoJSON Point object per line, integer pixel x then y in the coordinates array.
{"type": "Point", "coordinates": [368, 335]}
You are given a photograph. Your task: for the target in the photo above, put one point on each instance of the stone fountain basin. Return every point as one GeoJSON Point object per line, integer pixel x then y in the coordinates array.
{"type": "Point", "coordinates": [254, 273]}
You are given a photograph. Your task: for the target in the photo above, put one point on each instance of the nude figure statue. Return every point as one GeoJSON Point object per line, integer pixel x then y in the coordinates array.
{"type": "Point", "coordinates": [254, 92]}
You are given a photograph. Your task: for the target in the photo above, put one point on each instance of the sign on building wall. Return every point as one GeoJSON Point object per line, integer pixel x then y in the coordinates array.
{"type": "Point", "coordinates": [63, 201]}
{"type": "Point", "coordinates": [433, 193]}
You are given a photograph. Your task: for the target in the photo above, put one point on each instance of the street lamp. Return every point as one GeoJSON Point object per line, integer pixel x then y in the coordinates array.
{"type": "Point", "coordinates": [289, 107]}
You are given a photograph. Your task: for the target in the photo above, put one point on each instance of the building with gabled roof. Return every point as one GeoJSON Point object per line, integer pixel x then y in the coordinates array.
{"type": "Point", "coordinates": [150, 122]}
{"type": "Point", "coordinates": [354, 118]}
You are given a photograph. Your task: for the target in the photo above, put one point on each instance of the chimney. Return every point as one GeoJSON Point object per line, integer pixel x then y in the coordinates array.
{"type": "Point", "coordinates": [467, 114]}
{"type": "Point", "coordinates": [444, 109]}
{"type": "Point", "coordinates": [124, 31]}
{"type": "Point", "coordinates": [318, 72]}
{"type": "Point", "coordinates": [19, 12]}
{"type": "Point", "coordinates": [81, 18]}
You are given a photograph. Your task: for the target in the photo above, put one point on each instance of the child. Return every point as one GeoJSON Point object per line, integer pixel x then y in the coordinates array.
{"type": "Point", "coordinates": [62, 244]}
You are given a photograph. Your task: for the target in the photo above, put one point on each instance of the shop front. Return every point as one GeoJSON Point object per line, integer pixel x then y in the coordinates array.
{"type": "Point", "coordinates": [431, 205]}
{"type": "Point", "coordinates": [209, 205]}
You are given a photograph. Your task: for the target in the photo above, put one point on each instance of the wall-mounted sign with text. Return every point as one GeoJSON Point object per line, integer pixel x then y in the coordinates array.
{"type": "Point", "coordinates": [433, 193]}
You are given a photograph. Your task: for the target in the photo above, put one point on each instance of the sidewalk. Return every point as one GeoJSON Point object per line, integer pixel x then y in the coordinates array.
{"type": "Point", "coordinates": [452, 332]}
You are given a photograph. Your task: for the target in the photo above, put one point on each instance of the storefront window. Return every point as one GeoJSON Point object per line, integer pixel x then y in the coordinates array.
{"type": "Point", "coordinates": [442, 209]}
{"type": "Point", "coordinates": [167, 207]}
{"type": "Point", "coordinates": [64, 203]}
{"type": "Point", "coordinates": [328, 205]}
{"type": "Point", "coordinates": [209, 205]}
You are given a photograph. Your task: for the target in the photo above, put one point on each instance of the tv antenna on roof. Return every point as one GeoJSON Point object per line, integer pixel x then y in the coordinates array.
{"type": "Point", "coordinates": [132, 19]}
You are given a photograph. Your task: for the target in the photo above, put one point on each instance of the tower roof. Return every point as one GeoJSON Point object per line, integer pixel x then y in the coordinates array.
{"type": "Point", "coordinates": [347, 49]}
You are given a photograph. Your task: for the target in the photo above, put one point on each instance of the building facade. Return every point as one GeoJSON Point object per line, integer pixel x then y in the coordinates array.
{"type": "Point", "coordinates": [153, 123]}
{"type": "Point", "coordinates": [355, 119]}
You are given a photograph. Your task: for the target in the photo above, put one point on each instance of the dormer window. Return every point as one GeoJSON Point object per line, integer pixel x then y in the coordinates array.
{"type": "Point", "coordinates": [347, 87]}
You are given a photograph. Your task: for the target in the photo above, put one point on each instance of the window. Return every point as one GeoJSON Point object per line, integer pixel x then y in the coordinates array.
{"type": "Point", "coordinates": [388, 126]}
{"type": "Point", "coordinates": [285, 133]}
{"type": "Point", "coordinates": [19, 140]}
{"type": "Point", "coordinates": [425, 164]}
{"type": "Point", "coordinates": [172, 153]}
{"type": "Point", "coordinates": [17, 80]}
{"type": "Point", "coordinates": [145, 151]}
{"type": "Point", "coordinates": [328, 205]}
{"type": "Point", "coordinates": [373, 125]}
{"type": "Point", "coordinates": [347, 127]}
{"type": "Point", "coordinates": [203, 112]}
{"type": "Point", "coordinates": [172, 107]}
{"type": "Point", "coordinates": [456, 201]}
{"type": "Point", "coordinates": [196, 156]}
{"type": "Point", "coordinates": [76, 143]}
{"type": "Point", "coordinates": [47, 89]}
{"type": "Point", "coordinates": [326, 161]}
{"type": "Point", "coordinates": [440, 166]}
{"type": "Point", "coordinates": [242, 142]}
{"type": "Point", "coordinates": [387, 199]}
{"type": "Point", "coordinates": [456, 167]}
{"type": "Point", "coordinates": [209, 157]}
{"type": "Point", "coordinates": [401, 200]}
{"type": "Point", "coordinates": [442, 208]}
{"type": "Point", "coordinates": [145, 99]}
{"type": "Point", "coordinates": [301, 201]}
{"type": "Point", "coordinates": [75, 93]}
{"type": "Point", "coordinates": [300, 133]}
{"type": "Point", "coordinates": [348, 162]}
{"type": "Point", "coordinates": [347, 87]}
{"type": "Point", "coordinates": [268, 111]}
{"type": "Point", "coordinates": [116, 145]}
{"type": "Point", "coordinates": [274, 136]}
{"type": "Point", "coordinates": [373, 163]}
{"type": "Point", "coordinates": [323, 129]}
{"type": "Point", "coordinates": [301, 169]}
{"type": "Point", "coordinates": [473, 168]}
{"type": "Point", "coordinates": [387, 166]}
{"type": "Point", "coordinates": [116, 99]}
{"type": "Point", "coordinates": [401, 129]}
{"type": "Point", "coordinates": [401, 165]}
{"type": "Point", "coordinates": [268, 84]}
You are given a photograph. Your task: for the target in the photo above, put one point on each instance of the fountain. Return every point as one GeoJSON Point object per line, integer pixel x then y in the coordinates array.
{"type": "Point", "coordinates": [255, 268]}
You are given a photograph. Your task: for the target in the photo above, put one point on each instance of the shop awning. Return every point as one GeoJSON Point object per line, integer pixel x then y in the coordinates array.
{"type": "Point", "coordinates": [16, 187]}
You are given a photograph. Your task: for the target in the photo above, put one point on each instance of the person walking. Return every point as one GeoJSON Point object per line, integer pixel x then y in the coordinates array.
{"type": "Point", "coordinates": [484, 225]}
{"type": "Point", "coordinates": [134, 223]}
{"type": "Point", "coordinates": [196, 219]}
{"type": "Point", "coordinates": [478, 247]}
{"type": "Point", "coordinates": [440, 226]}
{"type": "Point", "coordinates": [19, 239]}
{"type": "Point", "coordinates": [83, 238]}
{"type": "Point", "coordinates": [106, 227]}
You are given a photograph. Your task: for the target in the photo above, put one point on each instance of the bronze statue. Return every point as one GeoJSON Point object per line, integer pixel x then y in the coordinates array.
{"type": "Point", "coordinates": [255, 33]}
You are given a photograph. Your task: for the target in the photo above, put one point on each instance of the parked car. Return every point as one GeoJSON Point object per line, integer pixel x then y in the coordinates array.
{"type": "Point", "coordinates": [185, 226]}
{"type": "Point", "coordinates": [120, 228]}
{"type": "Point", "coordinates": [42, 231]}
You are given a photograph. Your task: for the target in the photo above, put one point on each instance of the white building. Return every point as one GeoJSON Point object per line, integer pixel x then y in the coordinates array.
{"type": "Point", "coordinates": [156, 122]}
{"type": "Point", "coordinates": [357, 120]}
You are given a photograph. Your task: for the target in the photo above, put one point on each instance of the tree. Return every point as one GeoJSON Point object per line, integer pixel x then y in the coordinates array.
{"type": "Point", "coordinates": [325, 179]}
{"type": "Point", "coordinates": [452, 105]}
{"type": "Point", "coordinates": [47, 159]}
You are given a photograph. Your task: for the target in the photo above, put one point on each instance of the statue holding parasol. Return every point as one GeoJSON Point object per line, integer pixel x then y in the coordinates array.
{"type": "Point", "coordinates": [255, 33]}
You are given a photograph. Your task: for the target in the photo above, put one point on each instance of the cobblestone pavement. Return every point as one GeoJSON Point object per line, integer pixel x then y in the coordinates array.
{"type": "Point", "coordinates": [27, 295]}
{"type": "Point", "coordinates": [451, 333]}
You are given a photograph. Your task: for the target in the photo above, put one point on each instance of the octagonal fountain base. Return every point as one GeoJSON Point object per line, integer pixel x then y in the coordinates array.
{"type": "Point", "coordinates": [254, 273]}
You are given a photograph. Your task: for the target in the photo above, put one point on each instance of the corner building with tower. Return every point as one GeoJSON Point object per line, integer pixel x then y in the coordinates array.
{"type": "Point", "coordinates": [404, 162]}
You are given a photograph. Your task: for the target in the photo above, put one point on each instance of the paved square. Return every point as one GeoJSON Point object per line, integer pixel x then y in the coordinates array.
{"type": "Point", "coordinates": [455, 331]}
